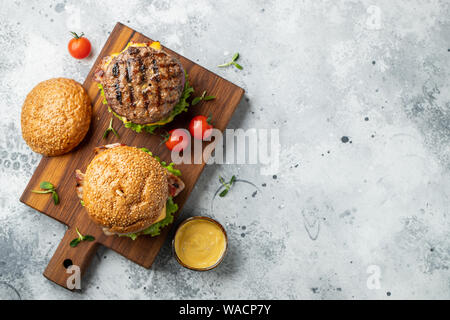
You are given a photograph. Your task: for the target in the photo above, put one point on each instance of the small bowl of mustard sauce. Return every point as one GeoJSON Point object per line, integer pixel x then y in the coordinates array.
{"type": "Point", "coordinates": [200, 243]}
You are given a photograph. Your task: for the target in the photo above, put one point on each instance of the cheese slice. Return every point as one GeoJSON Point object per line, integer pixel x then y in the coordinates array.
{"type": "Point", "coordinates": [162, 215]}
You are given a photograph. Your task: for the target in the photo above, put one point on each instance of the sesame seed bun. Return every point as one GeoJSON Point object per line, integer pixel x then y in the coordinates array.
{"type": "Point", "coordinates": [56, 116]}
{"type": "Point", "coordinates": [124, 189]}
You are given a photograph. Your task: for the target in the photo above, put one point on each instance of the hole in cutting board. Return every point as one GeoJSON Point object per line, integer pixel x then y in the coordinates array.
{"type": "Point", "coordinates": [67, 263]}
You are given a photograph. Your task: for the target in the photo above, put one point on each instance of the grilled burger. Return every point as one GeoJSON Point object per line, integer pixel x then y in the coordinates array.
{"type": "Point", "coordinates": [144, 86]}
{"type": "Point", "coordinates": [129, 192]}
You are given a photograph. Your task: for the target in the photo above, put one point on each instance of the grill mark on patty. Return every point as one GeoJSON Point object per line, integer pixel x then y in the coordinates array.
{"type": "Point", "coordinates": [158, 79]}
{"type": "Point", "coordinates": [141, 68]}
{"type": "Point", "coordinates": [170, 72]}
{"type": "Point", "coordinates": [145, 96]}
{"type": "Point", "coordinates": [131, 94]}
{"type": "Point", "coordinates": [127, 69]}
{"type": "Point", "coordinates": [118, 92]}
{"type": "Point", "coordinates": [155, 69]}
{"type": "Point", "coordinates": [137, 83]}
{"type": "Point", "coordinates": [133, 50]}
{"type": "Point", "coordinates": [129, 81]}
{"type": "Point", "coordinates": [115, 70]}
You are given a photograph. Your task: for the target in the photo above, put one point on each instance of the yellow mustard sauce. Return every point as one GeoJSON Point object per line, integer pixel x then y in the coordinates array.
{"type": "Point", "coordinates": [200, 243]}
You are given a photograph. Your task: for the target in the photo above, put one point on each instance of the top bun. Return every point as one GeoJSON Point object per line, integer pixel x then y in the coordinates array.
{"type": "Point", "coordinates": [56, 116]}
{"type": "Point", "coordinates": [125, 189]}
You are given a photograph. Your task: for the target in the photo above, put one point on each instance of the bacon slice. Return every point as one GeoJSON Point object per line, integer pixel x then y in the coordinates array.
{"type": "Point", "coordinates": [79, 177]}
{"type": "Point", "coordinates": [97, 150]}
{"type": "Point", "coordinates": [176, 185]}
{"type": "Point", "coordinates": [99, 73]}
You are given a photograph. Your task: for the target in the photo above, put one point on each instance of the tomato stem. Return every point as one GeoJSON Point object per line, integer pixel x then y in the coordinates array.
{"type": "Point", "coordinates": [165, 136]}
{"type": "Point", "coordinates": [76, 36]}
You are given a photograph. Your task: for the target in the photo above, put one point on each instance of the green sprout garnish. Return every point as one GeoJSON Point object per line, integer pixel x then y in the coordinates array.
{"type": "Point", "coordinates": [48, 187]}
{"type": "Point", "coordinates": [110, 129]}
{"type": "Point", "coordinates": [227, 185]}
{"type": "Point", "coordinates": [203, 97]}
{"type": "Point", "coordinates": [80, 238]}
{"type": "Point", "coordinates": [232, 62]}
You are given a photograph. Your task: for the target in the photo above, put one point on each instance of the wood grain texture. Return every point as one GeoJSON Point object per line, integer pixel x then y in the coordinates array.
{"type": "Point", "coordinates": [60, 170]}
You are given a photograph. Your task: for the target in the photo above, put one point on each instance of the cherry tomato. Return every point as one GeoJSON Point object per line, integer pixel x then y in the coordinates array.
{"type": "Point", "coordinates": [200, 127]}
{"type": "Point", "coordinates": [177, 140]}
{"type": "Point", "coordinates": [79, 47]}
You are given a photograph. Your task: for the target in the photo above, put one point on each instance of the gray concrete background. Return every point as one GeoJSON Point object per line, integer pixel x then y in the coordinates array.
{"type": "Point", "coordinates": [373, 71]}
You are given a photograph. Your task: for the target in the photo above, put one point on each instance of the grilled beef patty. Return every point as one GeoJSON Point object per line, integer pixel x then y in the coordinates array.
{"type": "Point", "coordinates": [142, 84]}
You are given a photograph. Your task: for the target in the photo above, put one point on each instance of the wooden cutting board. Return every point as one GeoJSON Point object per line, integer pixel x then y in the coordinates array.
{"type": "Point", "coordinates": [60, 170]}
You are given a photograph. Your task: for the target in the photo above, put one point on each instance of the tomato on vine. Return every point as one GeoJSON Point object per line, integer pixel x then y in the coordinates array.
{"type": "Point", "coordinates": [177, 140]}
{"type": "Point", "coordinates": [200, 127]}
{"type": "Point", "coordinates": [79, 46]}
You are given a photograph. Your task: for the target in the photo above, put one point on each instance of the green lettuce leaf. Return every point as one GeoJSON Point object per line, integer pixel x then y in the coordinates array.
{"type": "Point", "coordinates": [155, 229]}
{"type": "Point", "coordinates": [102, 93]}
{"type": "Point", "coordinates": [181, 106]}
{"type": "Point", "coordinates": [169, 167]}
